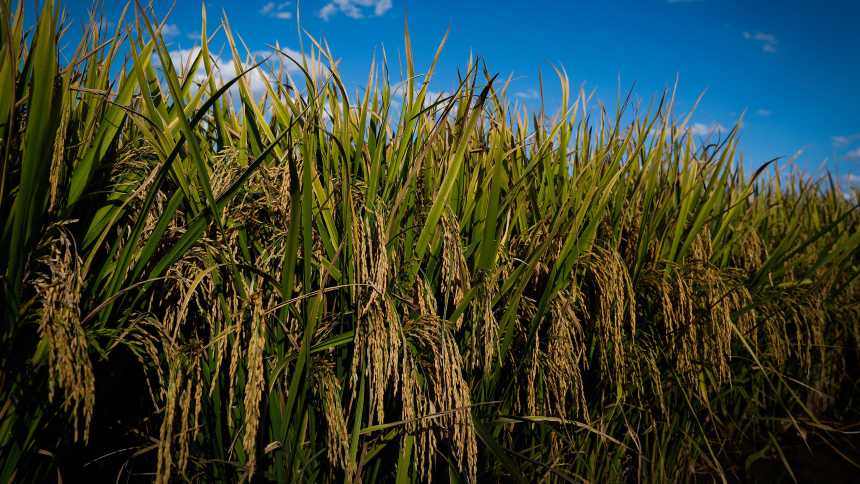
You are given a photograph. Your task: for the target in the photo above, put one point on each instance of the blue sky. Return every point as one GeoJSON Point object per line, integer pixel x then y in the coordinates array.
{"type": "Point", "coordinates": [793, 67]}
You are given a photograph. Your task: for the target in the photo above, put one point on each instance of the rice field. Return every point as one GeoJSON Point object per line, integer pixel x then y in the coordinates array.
{"type": "Point", "coordinates": [326, 283]}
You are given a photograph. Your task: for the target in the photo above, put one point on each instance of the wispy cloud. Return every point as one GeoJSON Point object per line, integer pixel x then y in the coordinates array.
{"type": "Point", "coordinates": [853, 154]}
{"type": "Point", "coordinates": [767, 41]}
{"type": "Point", "coordinates": [851, 181]}
{"type": "Point", "coordinates": [276, 10]}
{"type": "Point", "coordinates": [845, 140]}
{"type": "Point", "coordinates": [704, 130]}
{"type": "Point", "coordinates": [764, 113]}
{"type": "Point", "coordinates": [798, 153]}
{"type": "Point", "coordinates": [267, 8]}
{"type": "Point", "coordinates": [398, 92]}
{"type": "Point", "coordinates": [355, 8]}
{"type": "Point", "coordinates": [225, 68]}
{"type": "Point", "coordinates": [170, 30]}
{"type": "Point", "coordinates": [528, 94]}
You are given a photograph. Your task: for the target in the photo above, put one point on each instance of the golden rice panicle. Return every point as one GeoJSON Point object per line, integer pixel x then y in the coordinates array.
{"type": "Point", "coordinates": [651, 357]}
{"type": "Point", "coordinates": [416, 406]}
{"type": "Point", "coordinates": [58, 284]}
{"type": "Point", "coordinates": [328, 389]}
{"type": "Point", "coordinates": [525, 400]}
{"type": "Point", "coordinates": [616, 309]}
{"type": "Point", "coordinates": [456, 394]}
{"type": "Point", "coordinates": [182, 394]}
{"type": "Point", "coordinates": [378, 336]}
{"type": "Point", "coordinates": [166, 434]}
{"type": "Point", "coordinates": [255, 381]}
{"type": "Point", "coordinates": [676, 303]}
{"type": "Point", "coordinates": [236, 334]}
{"type": "Point", "coordinates": [752, 251]}
{"type": "Point", "coordinates": [425, 299]}
{"type": "Point", "coordinates": [484, 341]}
{"type": "Point", "coordinates": [715, 308]}
{"type": "Point", "coordinates": [198, 395]}
{"type": "Point", "coordinates": [185, 421]}
{"type": "Point", "coordinates": [148, 355]}
{"type": "Point", "coordinates": [444, 405]}
{"type": "Point", "coordinates": [58, 159]}
{"type": "Point", "coordinates": [777, 319]}
{"type": "Point", "coordinates": [379, 342]}
{"type": "Point", "coordinates": [455, 269]}
{"type": "Point", "coordinates": [564, 355]}
{"type": "Point", "coordinates": [533, 359]}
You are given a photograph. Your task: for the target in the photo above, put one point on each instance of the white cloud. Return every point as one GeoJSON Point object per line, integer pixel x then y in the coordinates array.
{"type": "Point", "coordinates": [225, 69]}
{"type": "Point", "coordinates": [853, 154]}
{"type": "Point", "coordinates": [851, 183]}
{"type": "Point", "coordinates": [767, 41]}
{"type": "Point", "coordinates": [763, 112]}
{"type": "Point", "coordinates": [267, 8]}
{"type": "Point", "coordinates": [528, 94]}
{"type": "Point", "coordinates": [399, 89]}
{"type": "Point", "coordinates": [355, 8]}
{"type": "Point", "coordinates": [316, 67]}
{"type": "Point", "coordinates": [170, 30]}
{"type": "Point", "coordinates": [432, 97]}
{"type": "Point", "coordinates": [381, 7]}
{"type": "Point", "coordinates": [276, 10]}
{"type": "Point", "coordinates": [327, 11]}
{"type": "Point", "coordinates": [703, 130]}
{"type": "Point", "coordinates": [398, 92]}
{"type": "Point", "coordinates": [845, 139]}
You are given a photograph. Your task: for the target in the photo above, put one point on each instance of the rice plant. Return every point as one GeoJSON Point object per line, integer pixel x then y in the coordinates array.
{"type": "Point", "coordinates": [383, 285]}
